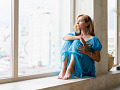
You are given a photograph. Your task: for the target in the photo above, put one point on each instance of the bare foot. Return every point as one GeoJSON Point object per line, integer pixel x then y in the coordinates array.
{"type": "Point", "coordinates": [62, 73]}
{"type": "Point", "coordinates": [68, 74]}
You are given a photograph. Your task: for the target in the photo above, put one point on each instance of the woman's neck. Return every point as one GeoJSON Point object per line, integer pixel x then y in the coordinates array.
{"type": "Point", "coordinates": [83, 32]}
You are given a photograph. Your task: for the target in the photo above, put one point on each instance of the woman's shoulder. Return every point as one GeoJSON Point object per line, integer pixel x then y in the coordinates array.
{"type": "Point", "coordinates": [73, 33]}
{"type": "Point", "coordinates": [96, 44]}
{"type": "Point", "coordinates": [91, 37]}
{"type": "Point", "coordinates": [94, 39]}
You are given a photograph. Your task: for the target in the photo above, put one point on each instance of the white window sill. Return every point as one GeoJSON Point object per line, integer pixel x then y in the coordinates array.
{"type": "Point", "coordinates": [52, 83]}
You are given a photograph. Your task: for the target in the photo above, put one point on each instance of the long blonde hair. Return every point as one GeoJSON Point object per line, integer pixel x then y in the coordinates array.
{"type": "Point", "coordinates": [90, 27]}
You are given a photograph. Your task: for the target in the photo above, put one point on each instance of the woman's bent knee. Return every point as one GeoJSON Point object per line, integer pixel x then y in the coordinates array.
{"type": "Point", "coordinates": [76, 42]}
{"type": "Point", "coordinates": [74, 46]}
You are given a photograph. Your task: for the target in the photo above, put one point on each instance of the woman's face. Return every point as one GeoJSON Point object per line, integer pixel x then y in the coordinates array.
{"type": "Point", "coordinates": [81, 24]}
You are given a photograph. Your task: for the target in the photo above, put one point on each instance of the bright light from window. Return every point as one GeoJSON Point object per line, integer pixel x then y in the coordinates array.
{"type": "Point", "coordinates": [111, 27]}
{"type": "Point", "coordinates": [40, 36]}
{"type": "Point", "coordinates": [5, 38]}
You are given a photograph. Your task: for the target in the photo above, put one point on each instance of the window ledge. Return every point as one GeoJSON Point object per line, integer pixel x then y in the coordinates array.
{"type": "Point", "coordinates": [110, 79]}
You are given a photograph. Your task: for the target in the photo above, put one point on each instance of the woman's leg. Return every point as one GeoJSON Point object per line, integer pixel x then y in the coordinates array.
{"type": "Point", "coordinates": [70, 69]}
{"type": "Point", "coordinates": [63, 70]}
{"type": "Point", "coordinates": [64, 58]}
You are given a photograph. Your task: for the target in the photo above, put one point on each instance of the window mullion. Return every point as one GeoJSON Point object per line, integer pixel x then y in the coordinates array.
{"type": "Point", "coordinates": [116, 33]}
{"type": "Point", "coordinates": [15, 13]}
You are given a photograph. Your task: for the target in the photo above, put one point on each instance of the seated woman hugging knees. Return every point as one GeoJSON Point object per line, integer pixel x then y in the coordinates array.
{"type": "Point", "coordinates": [80, 50]}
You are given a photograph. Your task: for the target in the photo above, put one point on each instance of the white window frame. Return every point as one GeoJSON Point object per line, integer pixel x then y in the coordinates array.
{"type": "Point", "coordinates": [14, 43]}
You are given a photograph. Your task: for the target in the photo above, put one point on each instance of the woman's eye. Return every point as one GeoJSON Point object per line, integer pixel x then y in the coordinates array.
{"type": "Point", "coordinates": [79, 21]}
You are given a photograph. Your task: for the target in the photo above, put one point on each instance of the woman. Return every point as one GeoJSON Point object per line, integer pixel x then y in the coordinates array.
{"type": "Point", "coordinates": [80, 50]}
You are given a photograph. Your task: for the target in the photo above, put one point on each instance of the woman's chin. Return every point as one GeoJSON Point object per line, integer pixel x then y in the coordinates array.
{"type": "Point", "coordinates": [78, 28]}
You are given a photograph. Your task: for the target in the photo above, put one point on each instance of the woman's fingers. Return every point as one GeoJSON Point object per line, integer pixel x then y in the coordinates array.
{"type": "Point", "coordinates": [80, 45]}
{"type": "Point", "coordinates": [79, 48]}
{"type": "Point", "coordinates": [86, 45]}
{"type": "Point", "coordinates": [82, 41]}
{"type": "Point", "coordinates": [80, 51]}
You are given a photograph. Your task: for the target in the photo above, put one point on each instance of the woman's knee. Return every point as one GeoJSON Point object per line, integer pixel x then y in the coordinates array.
{"type": "Point", "coordinates": [68, 43]}
{"type": "Point", "coordinates": [76, 42]}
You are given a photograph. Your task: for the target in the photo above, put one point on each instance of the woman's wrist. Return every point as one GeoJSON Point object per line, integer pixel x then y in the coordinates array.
{"type": "Point", "coordinates": [89, 54]}
{"type": "Point", "coordinates": [78, 37]}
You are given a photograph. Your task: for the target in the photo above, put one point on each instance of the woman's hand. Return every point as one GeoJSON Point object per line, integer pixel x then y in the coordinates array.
{"type": "Point", "coordinates": [82, 41]}
{"type": "Point", "coordinates": [83, 49]}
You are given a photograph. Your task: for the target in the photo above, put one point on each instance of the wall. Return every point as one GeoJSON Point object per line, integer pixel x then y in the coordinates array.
{"type": "Point", "coordinates": [100, 25]}
{"type": "Point", "coordinates": [97, 10]}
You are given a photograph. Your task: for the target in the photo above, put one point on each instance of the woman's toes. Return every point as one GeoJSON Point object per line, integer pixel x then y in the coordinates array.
{"type": "Point", "coordinates": [65, 78]}
{"type": "Point", "coordinates": [62, 73]}
{"type": "Point", "coordinates": [68, 74]}
{"type": "Point", "coordinates": [59, 77]}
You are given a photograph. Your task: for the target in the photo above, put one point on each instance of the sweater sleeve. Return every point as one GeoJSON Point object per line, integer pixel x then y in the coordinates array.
{"type": "Point", "coordinates": [96, 44]}
{"type": "Point", "coordinates": [72, 33]}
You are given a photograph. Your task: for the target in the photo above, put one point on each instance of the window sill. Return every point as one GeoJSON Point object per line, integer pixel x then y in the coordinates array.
{"type": "Point", "coordinates": [110, 79]}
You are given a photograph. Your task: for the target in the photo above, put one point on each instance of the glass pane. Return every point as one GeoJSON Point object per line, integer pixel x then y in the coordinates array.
{"type": "Point", "coordinates": [5, 38]}
{"type": "Point", "coordinates": [111, 27]}
{"type": "Point", "coordinates": [40, 36]}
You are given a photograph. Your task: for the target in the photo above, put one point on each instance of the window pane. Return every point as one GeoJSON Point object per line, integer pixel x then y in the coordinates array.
{"type": "Point", "coordinates": [111, 27]}
{"type": "Point", "coordinates": [5, 38]}
{"type": "Point", "coordinates": [40, 36]}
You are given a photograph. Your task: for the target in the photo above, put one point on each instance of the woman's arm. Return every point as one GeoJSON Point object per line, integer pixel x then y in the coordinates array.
{"type": "Point", "coordinates": [95, 56]}
{"type": "Point", "coordinates": [70, 37]}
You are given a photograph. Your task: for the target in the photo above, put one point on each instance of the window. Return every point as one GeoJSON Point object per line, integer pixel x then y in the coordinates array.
{"type": "Point", "coordinates": [35, 39]}
{"type": "Point", "coordinates": [5, 38]}
{"type": "Point", "coordinates": [39, 36]}
{"type": "Point", "coordinates": [112, 39]}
